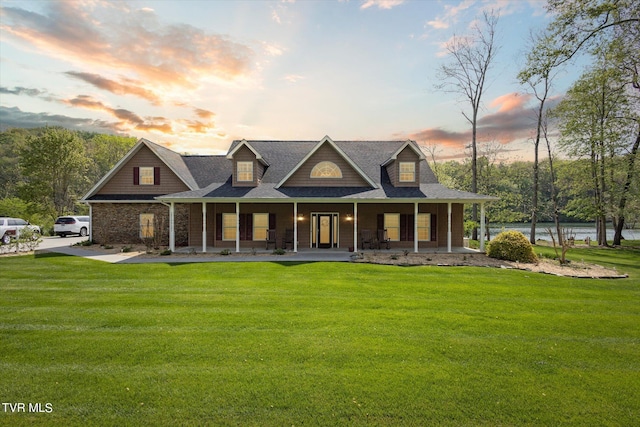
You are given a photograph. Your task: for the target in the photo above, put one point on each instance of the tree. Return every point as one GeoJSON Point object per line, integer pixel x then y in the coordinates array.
{"type": "Point", "coordinates": [581, 25]}
{"type": "Point", "coordinates": [538, 74]}
{"type": "Point", "coordinates": [466, 75]}
{"type": "Point", "coordinates": [10, 142]}
{"type": "Point", "coordinates": [105, 151]}
{"type": "Point", "coordinates": [53, 165]}
{"type": "Point", "coordinates": [590, 129]}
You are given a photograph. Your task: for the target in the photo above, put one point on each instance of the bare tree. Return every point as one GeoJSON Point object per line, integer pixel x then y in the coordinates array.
{"type": "Point", "coordinates": [466, 74]}
{"type": "Point", "coordinates": [538, 74]}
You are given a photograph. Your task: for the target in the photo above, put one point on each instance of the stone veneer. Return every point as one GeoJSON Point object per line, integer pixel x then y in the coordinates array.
{"type": "Point", "coordinates": [120, 222]}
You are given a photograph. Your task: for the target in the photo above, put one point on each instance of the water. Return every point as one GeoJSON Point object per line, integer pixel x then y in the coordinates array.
{"type": "Point", "coordinates": [579, 230]}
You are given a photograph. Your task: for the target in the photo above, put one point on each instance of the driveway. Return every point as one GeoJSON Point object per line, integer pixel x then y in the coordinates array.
{"type": "Point", "coordinates": [48, 243]}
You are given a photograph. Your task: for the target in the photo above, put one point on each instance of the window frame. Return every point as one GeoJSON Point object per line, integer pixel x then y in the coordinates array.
{"type": "Point", "coordinates": [393, 232]}
{"type": "Point", "coordinates": [146, 175]}
{"type": "Point", "coordinates": [422, 227]}
{"type": "Point", "coordinates": [257, 228]}
{"type": "Point", "coordinates": [147, 231]}
{"type": "Point", "coordinates": [226, 227]}
{"type": "Point", "coordinates": [243, 174]}
{"type": "Point", "coordinates": [406, 173]}
{"type": "Point", "coordinates": [320, 167]}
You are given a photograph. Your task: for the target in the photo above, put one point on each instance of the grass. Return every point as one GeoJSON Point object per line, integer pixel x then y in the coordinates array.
{"type": "Point", "coordinates": [319, 344]}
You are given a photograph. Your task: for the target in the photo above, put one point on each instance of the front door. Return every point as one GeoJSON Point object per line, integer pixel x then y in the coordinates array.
{"type": "Point", "coordinates": [324, 230]}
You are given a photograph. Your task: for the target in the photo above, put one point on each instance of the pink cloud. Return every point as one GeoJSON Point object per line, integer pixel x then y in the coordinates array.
{"type": "Point", "coordinates": [99, 33]}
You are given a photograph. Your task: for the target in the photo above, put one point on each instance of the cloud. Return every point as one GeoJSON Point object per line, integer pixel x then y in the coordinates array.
{"type": "Point", "coordinates": [36, 93]}
{"type": "Point", "coordinates": [18, 90]}
{"type": "Point", "coordinates": [293, 78]}
{"type": "Point", "coordinates": [127, 120]}
{"type": "Point", "coordinates": [381, 4]}
{"type": "Point", "coordinates": [11, 117]}
{"type": "Point", "coordinates": [124, 87]}
{"type": "Point", "coordinates": [438, 24]}
{"type": "Point", "coordinates": [450, 15]}
{"type": "Point", "coordinates": [111, 33]}
{"type": "Point", "coordinates": [204, 114]}
{"type": "Point", "coordinates": [514, 120]}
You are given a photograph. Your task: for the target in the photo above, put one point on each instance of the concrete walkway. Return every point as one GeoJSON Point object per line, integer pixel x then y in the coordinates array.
{"type": "Point", "coordinates": [179, 257]}
{"type": "Point", "coordinates": [187, 255]}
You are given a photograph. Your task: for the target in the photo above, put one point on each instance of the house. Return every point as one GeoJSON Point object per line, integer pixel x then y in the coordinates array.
{"type": "Point", "coordinates": [299, 194]}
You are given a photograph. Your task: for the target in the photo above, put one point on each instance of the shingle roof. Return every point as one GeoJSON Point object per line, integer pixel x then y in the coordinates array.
{"type": "Point", "coordinates": [213, 174]}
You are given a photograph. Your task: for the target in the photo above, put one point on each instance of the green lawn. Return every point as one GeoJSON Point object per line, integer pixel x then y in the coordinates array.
{"type": "Point", "coordinates": [317, 344]}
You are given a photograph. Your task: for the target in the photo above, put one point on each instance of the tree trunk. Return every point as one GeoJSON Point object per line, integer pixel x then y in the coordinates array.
{"type": "Point", "coordinates": [617, 237]}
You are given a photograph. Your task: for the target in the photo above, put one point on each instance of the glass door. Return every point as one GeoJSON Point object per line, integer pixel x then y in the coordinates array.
{"type": "Point", "coordinates": [324, 230]}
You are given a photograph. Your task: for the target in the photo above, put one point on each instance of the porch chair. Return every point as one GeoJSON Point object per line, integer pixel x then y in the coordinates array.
{"type": "Point", "coordinates": [272, 238]}
{"type": "Point", "coordinates": [366, 238]}
{"type": "Point", "coordinates": [383, 238]}
{"type": "Point", "coordinates": [288, 238]}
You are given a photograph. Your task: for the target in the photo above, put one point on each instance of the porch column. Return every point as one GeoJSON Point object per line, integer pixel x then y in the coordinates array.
{"type": "Point", "coordinates": [172, 227]}
{"type": "Point", "coordinates": [295, 226]}
{"type": "Point", "coordinates": [204, 226]}
{"type": "Point", "coordinates": [449, 227]}
{"type": "Point", "coordinates": [415, 227]}
{"type": "Point", "coordinates": [482, 232]}
{"type": "Point", "coordinates": [90, 222]}
{"type": "Point", "coordinates": [237, 226]}
{"type": "Point", "coordinates": [355, 226]}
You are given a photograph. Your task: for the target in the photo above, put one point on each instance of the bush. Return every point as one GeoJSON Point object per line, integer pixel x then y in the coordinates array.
{"type": "Point", "coordinates": [511, 246]}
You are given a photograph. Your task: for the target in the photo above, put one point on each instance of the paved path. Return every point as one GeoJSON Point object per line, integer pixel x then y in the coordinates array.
{"type": "Point", "coordinates": [64, 246]}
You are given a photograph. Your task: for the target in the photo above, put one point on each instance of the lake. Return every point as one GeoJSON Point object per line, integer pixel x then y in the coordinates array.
{"type": "Point", "coordinates": [581, 230]}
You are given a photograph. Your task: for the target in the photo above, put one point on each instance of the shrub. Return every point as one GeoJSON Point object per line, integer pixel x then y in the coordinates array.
{"type": "Point", "coordinates": [511, 246]}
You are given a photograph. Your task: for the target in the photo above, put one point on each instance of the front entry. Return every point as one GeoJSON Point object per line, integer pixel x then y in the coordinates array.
{"type": "Point", "coordinates": [324, 230]}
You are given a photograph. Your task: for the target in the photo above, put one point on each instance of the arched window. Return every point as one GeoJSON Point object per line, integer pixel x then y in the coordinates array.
{"type": "Point", "coordinates": [326, 170]}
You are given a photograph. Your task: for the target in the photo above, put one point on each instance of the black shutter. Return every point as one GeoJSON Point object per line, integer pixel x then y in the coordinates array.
{"type": "Point", "coordinates": [434, 228]}
{"type": "Point", "coordinates": [380, 221]}
{"type": "Point", "coordinates": [407, 227]}
{"type": "Point", "coordinates": [272, 221]}
{"type": "Point", "coordinates": [243, 228]}
{"type": "Point", "coordinates": [249, 226]}
{"type": "Point", "coordinates": [156, 175]}
{"type": "Point", "coordinates": [136, 176]}
{"type": "Point", "coordinates": [410, 227]}
{"type": "Point", "coordinates": [219, 226]}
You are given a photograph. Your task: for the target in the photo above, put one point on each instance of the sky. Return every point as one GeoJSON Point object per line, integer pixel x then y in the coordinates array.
{"type": "Point", "coordinates": [196, 75]}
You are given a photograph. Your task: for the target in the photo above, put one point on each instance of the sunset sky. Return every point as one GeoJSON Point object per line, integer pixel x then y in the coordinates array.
{"type": "Point", "coordinates": [195, 75]}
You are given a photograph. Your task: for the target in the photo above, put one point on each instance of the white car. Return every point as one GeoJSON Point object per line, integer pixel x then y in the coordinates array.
{"type": "Point", "coordinates": [10, 228]}
{"type": "Point", "coordinates": [66, 225]}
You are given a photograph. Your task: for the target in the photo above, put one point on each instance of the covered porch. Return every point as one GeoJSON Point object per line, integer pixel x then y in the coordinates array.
{"type": "Point", "coordinates": [253, 226]}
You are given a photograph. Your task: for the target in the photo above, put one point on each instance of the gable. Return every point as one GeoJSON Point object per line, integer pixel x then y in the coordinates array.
{"type": "Point", "coordinates": [327, 152]}
{"type": "Point", "coordinates": [349, 177]}
{"type": "Point", "coordinates": [123, 180]}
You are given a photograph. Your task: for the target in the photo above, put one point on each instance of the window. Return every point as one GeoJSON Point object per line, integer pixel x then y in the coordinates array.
{"type": "Point", "coordinates": [146, 176]}
{"type": "Point", "coordinates": [229, 226]}
{"type": "Point", "coordinates": [146, 224]}
{"type": "Point", "coordinates": [260, 226]}
{"type": "Point", "coordinates": [424, 227]}
{"type": "Point", "coordinates": [326, 170]}
{"type": "Point", "coordinates": [407, 172]}
{"type": "Point", "coordinates": [245, 172]}
{"type": "Point", "coordinates": [392, 225]}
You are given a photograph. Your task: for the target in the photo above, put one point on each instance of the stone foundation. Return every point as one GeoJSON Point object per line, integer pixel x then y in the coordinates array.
{"type": "Point", "coordinates": [119, 223]}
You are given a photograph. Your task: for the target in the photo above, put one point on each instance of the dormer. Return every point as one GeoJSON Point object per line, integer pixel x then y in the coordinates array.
{"type": "Point", "coordinates": [403, 167]}
{"type": "Point", "coordinates": [248, 165]}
